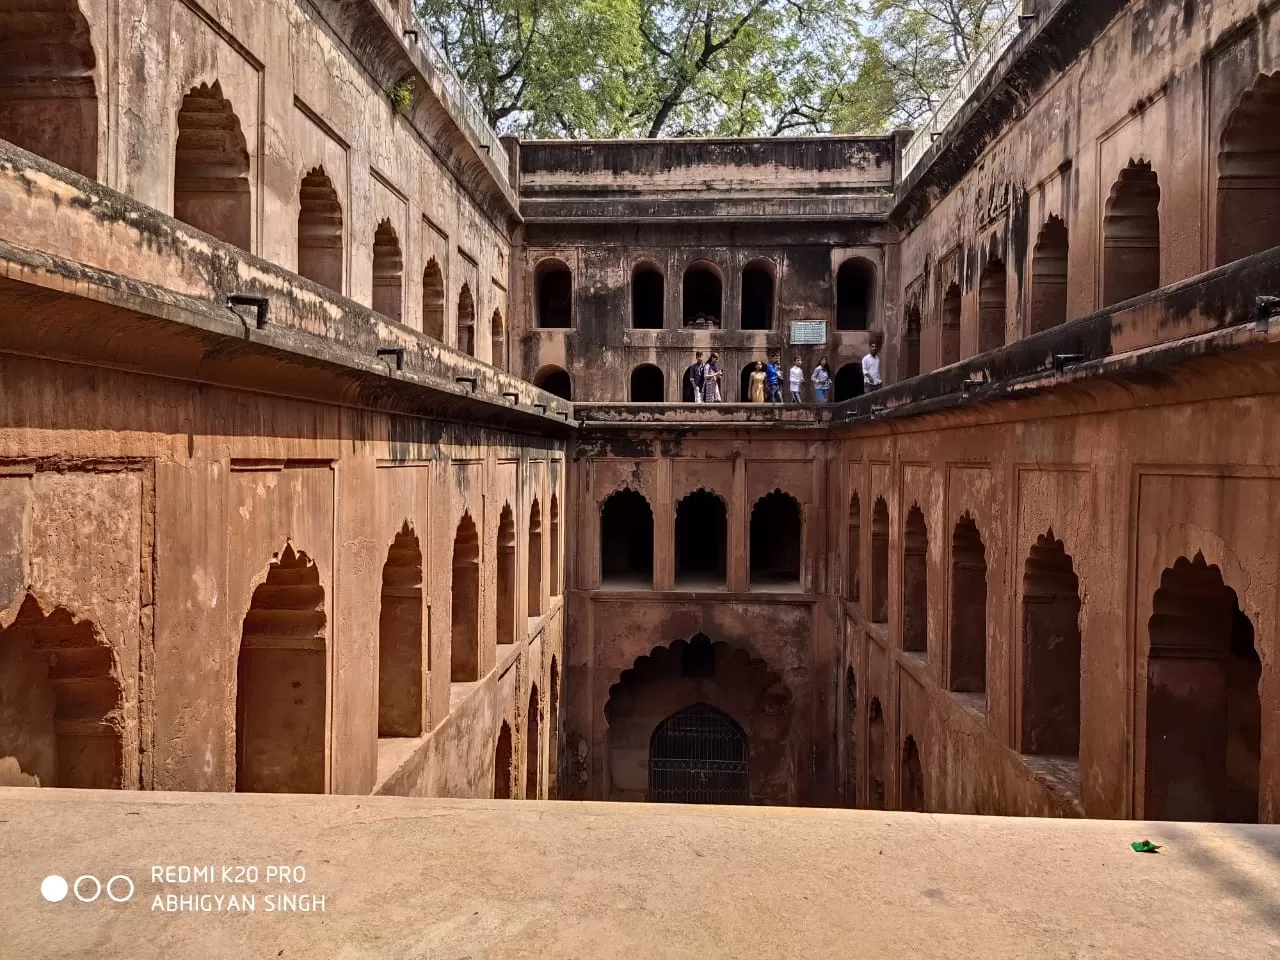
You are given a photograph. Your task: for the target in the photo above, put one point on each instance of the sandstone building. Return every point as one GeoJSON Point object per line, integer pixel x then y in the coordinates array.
{"type": "Point", "coordinates": [342, 444]}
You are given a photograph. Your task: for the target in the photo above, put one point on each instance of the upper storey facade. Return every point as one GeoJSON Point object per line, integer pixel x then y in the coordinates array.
{"type": "Point", "coordinates": [1115, 148]}
{"type": "Point", "coordinates": [326, 137]}
{"type": "Point", "coordinates": [636, 254]}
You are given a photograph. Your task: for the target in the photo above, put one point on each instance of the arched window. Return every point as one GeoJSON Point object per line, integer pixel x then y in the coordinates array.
{"type": "Point", "coordinates": [647, 384]}
{"type": "Point", "coordinates": [401, 694]}
{"type": "Point", "coordinates": [552, 295]}
{"type": "Point", "coordinates": [464, 664]}
{"type": "Point", "coordinates": [950, 345]}
{"type": "Point", "coordinates": [648, 297]}
{"type": "Point", "coordinates": [1050, 651]}
{"type": "Point", "coordinates": [880, 561]}
{"type": "Point", "coordinates": [466, 321]}
{"type": "Point", "coordinates": [533, 753]}
{"type": "Point", "coordinates": [1131, 235]}
{"type": "Point", "coordinates": [698, 755]}
{"type": "Point", "coordinates": [744, 382]}
{"type": "Point", "coordinates": [282, 682]}
{"type": "Point", "coordinates": [775, 540]}
{"type": "Point", "coordinates": [702, 295]}
{"type": "Point", "coordinates": [855, 288]}
{"type": "Point", "coordinates": [62, 702]}
{"type": "Point", "coordinates": [506, 599]}
{"type": "Point", "coordinates": [502, 764]}
{"type": "Point", "coordinates": [1049, 276]}
{"type": "Point", "coordinates": [211, 168]}
{"type": "Point", "coordinates": [535, 559]}
{"type": "Point", "coordinates": [992, 306]}
{"type": "Point", "coordinates": [875, 753]}
{"type": "Point", "coordinates": [1204, 714]}
{"type": "Point", "coordinates": [498, 340]}
{"type": "Point", "coordinates": [626, 541]}
{"type": "Point", "coordinates": [757, 295]}
{"type": "Point", "coordinates": [853, 551]}
{"type": "Point", "coordinates": [433, 300]}
{"type": "Point", "coordinates": [912, 791]}
{"type": "Point", "coordinates": [320, 231]}
{"type": "Point", "coordinates": [388, 273]}
{"type": "Point", "coordinates": [915, 583]}
{"type": "Point", "coordinates": [848, 382]}
{"type": "Point", "coordinates": [968, 672]}
{"type": "Point", "coordinates": [556, 576]}
{"type": "Point", "coordinates": [555, 380]}
{"type": "Point", "coordinates": [701, 531]}
{"type": "Point", "coordinates": [1249, 174]}
{"type": "Point", "coordinates": [46, 83]}
{"type": "Point", "coordinates": [911, 344]}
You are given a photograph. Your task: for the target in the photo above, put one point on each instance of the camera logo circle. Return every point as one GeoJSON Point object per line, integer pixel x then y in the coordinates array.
{"type": "Point", "coordinates": [54, 888]}
{"type": "Point", "coordinates": [87, 888]}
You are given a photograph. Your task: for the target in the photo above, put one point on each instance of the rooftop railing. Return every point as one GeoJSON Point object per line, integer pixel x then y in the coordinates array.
{"type": "Point", "coordinates": [975, 71]}
{"type": "Point", "coordinates": [453, 85]}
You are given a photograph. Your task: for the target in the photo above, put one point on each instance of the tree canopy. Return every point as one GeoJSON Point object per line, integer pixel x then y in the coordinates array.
{"type": "Point", "coordinates": [649, 68]}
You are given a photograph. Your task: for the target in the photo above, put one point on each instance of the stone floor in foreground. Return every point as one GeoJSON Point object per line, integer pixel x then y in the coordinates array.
{"type": "Point", "coordinates": [405, 878]}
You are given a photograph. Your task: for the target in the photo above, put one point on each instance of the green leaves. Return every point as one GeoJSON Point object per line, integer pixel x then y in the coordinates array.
{"type": "Point", "coordinates": [915, 49]}
{"type": "Point", "coordinates": [402, 96]}
{"type": "Point", "coordinates": [628, 68]}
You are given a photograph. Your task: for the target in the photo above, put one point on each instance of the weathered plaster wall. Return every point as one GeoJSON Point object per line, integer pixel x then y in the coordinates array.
{"type": "Point", "coordinates": [788, 629]}
{"type": "Point", "coordinates": [602, 347]}
{"type": "Point", "coordinates": [309, 85]}
{"type": "Point", "coordinates": [165, 458]}
{"type": "Point", "coordinates": [1129, 482]}
{"type": "Point", "coordinates": [221, 482]}
{"type": "Point", "coordinates": [457, 760]}
{"type": "Point", "coordinates": [1157, 86]}
{"type": "Point", "coordinates": [796, 208]}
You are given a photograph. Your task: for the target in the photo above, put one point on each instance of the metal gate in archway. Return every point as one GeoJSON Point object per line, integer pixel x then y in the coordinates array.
{"type": "Point", "coordinates": [698, 755]}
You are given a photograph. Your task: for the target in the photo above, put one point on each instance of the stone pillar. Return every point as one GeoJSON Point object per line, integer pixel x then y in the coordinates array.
{"type": "Point", "coordinates": [664, 530]}
{"type": "Point", "coordinates": [738, 561]}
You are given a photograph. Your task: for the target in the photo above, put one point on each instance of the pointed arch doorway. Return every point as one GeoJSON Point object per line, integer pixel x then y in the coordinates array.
{"type": "Point", "coordinates": [698, 755]}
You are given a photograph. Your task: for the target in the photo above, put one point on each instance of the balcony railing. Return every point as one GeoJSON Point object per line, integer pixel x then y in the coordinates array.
{"type": "Point", "coordinates": [462, 102]}
{"type": "Point", "coordinates": [975, 71]}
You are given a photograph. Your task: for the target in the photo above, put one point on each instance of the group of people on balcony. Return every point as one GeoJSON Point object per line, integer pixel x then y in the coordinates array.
{"type": "Point", "coordinates": [764, 383]}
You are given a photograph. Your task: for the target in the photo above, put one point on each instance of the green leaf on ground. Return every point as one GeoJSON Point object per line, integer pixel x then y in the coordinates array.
{"type": "Point", "coordinates": [1145, 846]}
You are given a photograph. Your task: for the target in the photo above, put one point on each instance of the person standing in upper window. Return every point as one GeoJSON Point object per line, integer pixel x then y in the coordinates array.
{"type": "Point", "coordinates": [821, 380]}
{"type": "Point", "coordinates": [773, 380]}
{"type": "Point", "coordinates": [795, 378]}
{"type": "Point", "coordinates": [871, 369]}
{"type": "Point", "coordinates": [696, 375]}
{"type": "Point", "coordinates": [711, 380]}
{"type": "Point", "coordinates": [755, 387]}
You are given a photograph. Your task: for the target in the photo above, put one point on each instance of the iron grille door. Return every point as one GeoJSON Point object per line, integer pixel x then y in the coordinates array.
{"type": "Point", "coordinates": [698, 755]}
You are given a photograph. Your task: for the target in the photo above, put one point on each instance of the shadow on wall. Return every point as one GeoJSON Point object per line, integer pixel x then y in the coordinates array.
{"type": "Point", "coordinates": [555, 380]}
{"type": "Point", "coordinates": [60, 703]}
{"type": "Point", "coordinates": [282, 682]}
{"type": "Point", "coordinates": [776, 542]}
{"type": "Point", "coordinates": [855, 290]}
{"type": "Point", "coordinates": [848, 382]}
{"type": "Point", "coordinates": [48, 100]}
{"type": "Point", "coordinates": [648, 297]}
{"type": "Point", "coordinates": [647, 384]}
{"type": "Point", "coordinates": [626, 541]}
{"type": "Point", "coordinates": [553, 295]}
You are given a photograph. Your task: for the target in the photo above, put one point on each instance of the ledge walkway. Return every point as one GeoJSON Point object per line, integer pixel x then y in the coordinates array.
{"type": "Point", "coordinates": [405, 878]}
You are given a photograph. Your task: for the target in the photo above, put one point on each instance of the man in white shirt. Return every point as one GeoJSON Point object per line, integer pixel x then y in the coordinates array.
{"type": "Point", "coordinates": [871, 369]}
{"type": "Point", "coordinates": [795, 379]}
